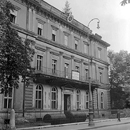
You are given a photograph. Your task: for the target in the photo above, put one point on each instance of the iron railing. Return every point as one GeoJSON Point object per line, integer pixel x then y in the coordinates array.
{"type": "Point", "coordinates": [63, 74]}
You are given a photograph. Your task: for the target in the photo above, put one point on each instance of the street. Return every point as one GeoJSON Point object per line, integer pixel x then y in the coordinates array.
{"type": "Point", "coordinates": [107, 125]}
{"type": "Point", "coordinates": [116, 127]}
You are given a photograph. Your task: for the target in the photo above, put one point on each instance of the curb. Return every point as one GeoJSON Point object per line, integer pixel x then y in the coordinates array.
{"type": "Point", "coordinates": [77, 123]}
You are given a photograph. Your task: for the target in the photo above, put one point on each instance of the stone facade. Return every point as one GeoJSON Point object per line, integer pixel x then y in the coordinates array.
{"type": "Point", "coordinates": [66, 55]}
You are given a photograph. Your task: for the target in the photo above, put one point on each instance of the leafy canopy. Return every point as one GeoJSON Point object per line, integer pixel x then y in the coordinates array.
{"type": "Point", "coordinates": [124, 2]}
{"type": "Point", "coordinates": [15, 53]}
{"type": "Point", "coordinates": [119, 77]}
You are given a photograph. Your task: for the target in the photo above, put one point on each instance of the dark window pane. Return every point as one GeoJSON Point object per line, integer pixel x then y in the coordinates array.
{"type": "Point", "coordinates": [9, 103]}
{"type": "Point", "coordinates": [5, 103]}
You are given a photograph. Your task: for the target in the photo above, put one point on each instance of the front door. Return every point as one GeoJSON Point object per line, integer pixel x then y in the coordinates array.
{"type": "Point", "coordinates": [67, 102]}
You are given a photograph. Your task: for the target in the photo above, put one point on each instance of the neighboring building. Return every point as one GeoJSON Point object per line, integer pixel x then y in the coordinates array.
{"type": "Point", "coordinates": [66, 55]}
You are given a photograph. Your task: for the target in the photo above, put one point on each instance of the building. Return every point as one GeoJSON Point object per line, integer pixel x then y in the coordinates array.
{"type": "Point", "coordinates": [67, 53]}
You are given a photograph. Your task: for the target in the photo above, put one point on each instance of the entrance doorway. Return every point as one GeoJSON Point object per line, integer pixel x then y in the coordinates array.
{"type": "Point", "coordinates": [67, 102]}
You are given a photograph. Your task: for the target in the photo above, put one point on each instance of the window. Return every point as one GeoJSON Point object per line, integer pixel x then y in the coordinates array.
{"type": "Point", "coordinates": [54, 98]}
{"type": "Point", "coordinates": [76, 44]}
{"type": "Point", "coordinates": [102, 102]}
{"type": "Point", "coordinates": [87, 100]}
{"type": "Point", "coordinates": [8, 97]}
{"type": "Point", "coordinates": [13, 15]}
{"type": "Point", "coordinates": [40, 29]}
{"type": "Point", "coordinates": [100, 77]}
{"type": "Point", "coordinates": [39, 62]}
{"type": "Point", "coordinates": [54, 62]}
{"type": "Point", "coordinates": [86, 48]}
{"type": "Point", "coordinates": [99, 52]}
{"type": "Point", "coordinates": [78, 99]}
{"type": "Point", "coordinates": [66, 70]}
{"type": "Point", "coordinates": [86, 74]}
{"type": "Point", "coordinates": [53, 35]}
{"type": "Point", "coordinates": [39, 96]}
{"type": "Point", "coordinates": [66, 40]}
{"type": "Point", "coordinates": [77, 68]}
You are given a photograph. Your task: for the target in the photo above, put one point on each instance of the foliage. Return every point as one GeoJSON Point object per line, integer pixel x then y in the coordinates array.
{"type": "Point", "coordinates": [119, 77]}
{"type": "Point", "coordinates": [15, 54]}
{"type": "Point", "coordinates": [124, 2]}
{"type": "Point", "coordinates": [67, 8]}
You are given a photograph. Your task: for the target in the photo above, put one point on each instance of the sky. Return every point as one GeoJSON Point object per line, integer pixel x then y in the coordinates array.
{"type": "Point", "coordinates": [114, 19]}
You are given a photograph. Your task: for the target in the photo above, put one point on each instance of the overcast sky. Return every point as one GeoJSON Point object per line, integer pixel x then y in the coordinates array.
{"type": "Point", "coordinates": [114, 19]}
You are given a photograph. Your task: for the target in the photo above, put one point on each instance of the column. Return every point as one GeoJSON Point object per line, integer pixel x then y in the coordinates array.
{"type": "Point", "coordinates": [30, 16]}
{"type": "Point", "coordinates": [61, 64]}
{"type": "Point", "coordinates": [72, 63]}
{"type": "Point", "coordinates": [82, 70]}
{"type": "Point", "coordinates": [48, 62]}
{"type": "Point", "coordinates": [33, 22]}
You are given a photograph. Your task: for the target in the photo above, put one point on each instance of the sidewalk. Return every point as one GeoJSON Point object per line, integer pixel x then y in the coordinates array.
{"type": "Point", "coordinates": [81, 125]}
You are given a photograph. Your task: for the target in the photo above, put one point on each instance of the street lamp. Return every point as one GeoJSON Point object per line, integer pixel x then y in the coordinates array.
{"type": "Point", "coordinates": [91, 123]}
{"type": "Point", "coordinates": [97, 22]}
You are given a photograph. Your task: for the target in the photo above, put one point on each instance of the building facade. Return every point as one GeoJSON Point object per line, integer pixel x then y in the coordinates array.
{"type": "Point", "coordinates": [67, 53]}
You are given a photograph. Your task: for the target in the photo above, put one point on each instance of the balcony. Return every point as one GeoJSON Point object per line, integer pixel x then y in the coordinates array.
{"type": "Point", "coordinates": [64, 75]}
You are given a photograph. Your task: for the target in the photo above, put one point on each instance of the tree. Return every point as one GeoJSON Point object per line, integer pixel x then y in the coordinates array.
{"type": "Point", "coordinates": [67, 8]}
{"type": "Point", "coordinates": [15, 53]}
{"type": "Point", "coordinates": [119, 77]}
{"type": "Point", "coordinates": [124, 2]}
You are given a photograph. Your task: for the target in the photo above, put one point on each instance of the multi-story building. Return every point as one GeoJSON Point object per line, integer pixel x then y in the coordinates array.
{"type": "Point", "coordinates": [67, 53]}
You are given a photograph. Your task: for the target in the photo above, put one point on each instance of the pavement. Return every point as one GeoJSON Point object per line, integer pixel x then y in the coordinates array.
{"type": "Point", "coordinates": [81, 125]}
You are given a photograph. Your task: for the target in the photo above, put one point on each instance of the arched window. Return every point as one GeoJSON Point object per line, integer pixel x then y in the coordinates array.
{"type": "Point", "coordinates": [78, 99]}
{"type": "Point", "coordinates": [87, 100]}
{"type": "Point", "coordinates": [102, 101]}
{"type": "Point", "coordinates": [54, 98]}
{"type": "Point", "coordinates": [39, 97]}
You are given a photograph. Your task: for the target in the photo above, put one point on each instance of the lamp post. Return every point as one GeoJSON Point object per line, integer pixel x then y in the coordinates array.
{"type": "Point", "coordinates": [97, 22]}
{"type": "Point", "coordinates": [91, 123]}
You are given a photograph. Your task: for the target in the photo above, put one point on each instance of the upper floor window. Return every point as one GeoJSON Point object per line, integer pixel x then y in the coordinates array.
{"type": "Point", "coordinates": [66, 40]}
{"type": "Point", "coordinates": [99, 52]}
{"type": "Point", "coordinates": [100, 77]}
{"type": "Point", "coordinates": [66, 70]}
{"type": "Point", "coordinates": [54, 98]}
{"type": "Point", "coordinates": [13, 15]}
{"type": "Point", "coordinates": [77, 68]}
{"type": "Point", "coordinates": [86, 48]}
{"type": "Point", "coordinates": [40, 29]}
{"type": "Point", "coordinates": [102, 101]}
{"type": "Point", "coordinates": [53, 34]}
{"type": "Point", "coordinates": [86, 74]}
{"type": "Point", "coordinates": [54, 64]}
{"type": "Point", "coordinates": [38, 97]}
{"type": "Point", "coordinates": [78, 99]}
{"type": "Point", "coordinates": [39, 62]}
{"type": "Point", "coordinates": [8, 98]}
{"type": "Point", "coordinates": [87, 100]}
{"type": "Point", "coordinates": [76, 44]}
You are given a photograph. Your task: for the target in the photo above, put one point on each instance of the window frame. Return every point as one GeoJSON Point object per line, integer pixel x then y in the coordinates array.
{"type": "Point", "coordinates": [54, 66]}
{"type": "Point", "coordinates": [86, 48]}
{"type": "Point", "coordinates": [39, 100]}
{"type": "Point", "coordinates": [40, 29]}
{"type": "Point", "coordinates": [87, 100]}
{"type": "Point", "coordinates": [13, 15]}
{"type": "Point", "coordinates": [39, 63]}
{"type": "Point", "coordinates": [66, 70]}
{"type": "Point", "coordinates": [78, 99]}
{"type": "Point", "coordinates": [54, 98]}
{"type": "Point", "coordinates": [8, 97]}
{"type": "Point", "coordinates": [102, 101]}
{"type": "Point", "coordinates": [76, 42]}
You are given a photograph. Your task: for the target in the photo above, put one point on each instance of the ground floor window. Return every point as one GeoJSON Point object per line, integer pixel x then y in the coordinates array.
{"type": "Point", "coordinates": [102, 101]}
{"type": "Point", "coordinates": [54, 98]}
{"type": "Point", "coordinates": [8, 98]}
{"type": "Point", "coordinates": [87, 100]}
{"type": "Point", "coordinates": [78, 99]}
{"type": "Point", "coordinates": [39, 97]}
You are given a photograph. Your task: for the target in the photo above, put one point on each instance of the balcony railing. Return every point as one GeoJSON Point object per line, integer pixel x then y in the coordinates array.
{"type": "Point", "coordinates": [62, 74]}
